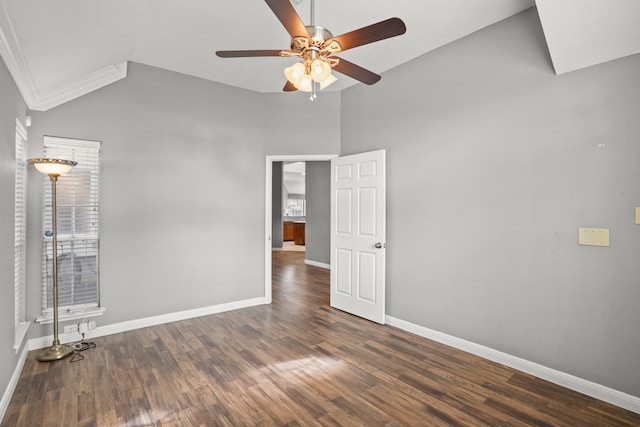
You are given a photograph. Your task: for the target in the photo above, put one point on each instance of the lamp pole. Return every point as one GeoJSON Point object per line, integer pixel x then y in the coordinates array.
{"type": "Point", "coordinates": [54, 168]}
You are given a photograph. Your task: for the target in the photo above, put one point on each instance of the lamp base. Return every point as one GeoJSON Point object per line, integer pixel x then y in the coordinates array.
{"type": "Point", "coordinates": [55, 352]}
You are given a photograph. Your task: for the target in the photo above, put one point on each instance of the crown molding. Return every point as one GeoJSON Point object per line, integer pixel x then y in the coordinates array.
{"type": "Point", "coordinates": [81, 86]}
{"type": "Point", "coordinates": [18, 67]}
{"type": "Point", "coordinates": [11, 53]}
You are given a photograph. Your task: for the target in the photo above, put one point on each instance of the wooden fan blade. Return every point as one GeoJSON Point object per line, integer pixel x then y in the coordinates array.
{"type": "Point", "coordinates": [375, 32]}
{"type": "Point", "coordinates": [246, 53]}
{"type": "Point", "coordinates": [289, 87]}
{"type": "Point", "coordinates": [357, 72]}
{"type": "Point", "coordinates": [285, 12]}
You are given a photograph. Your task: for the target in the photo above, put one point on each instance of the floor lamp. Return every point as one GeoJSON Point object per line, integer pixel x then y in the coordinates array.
{"type": "Point", "coordinates": [54, 168]}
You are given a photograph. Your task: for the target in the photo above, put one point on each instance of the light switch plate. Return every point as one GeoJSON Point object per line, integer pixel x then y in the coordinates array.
{"type": "Point", "coordinates": [593, 236]}
{"type": "Point", "coordinates": [637, 215]}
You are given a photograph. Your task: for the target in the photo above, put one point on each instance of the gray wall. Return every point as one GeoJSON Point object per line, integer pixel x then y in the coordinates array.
{"type": "Point", "coordinates": [493, 164]}
{"type": "Point", "coordinates": [176, 153]}
{"type": "Point", "coordinates": [318, 218]}
{"type": "Point", "coordinates": [294, 125]}
{"type": "Point", "coordinates": [11, 107]}
{"type": "Point", "coordinates": [276, 205]}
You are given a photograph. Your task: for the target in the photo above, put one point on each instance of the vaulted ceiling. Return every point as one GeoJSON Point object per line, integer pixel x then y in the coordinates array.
{"type": "Point", "coordinates": [57, 50]}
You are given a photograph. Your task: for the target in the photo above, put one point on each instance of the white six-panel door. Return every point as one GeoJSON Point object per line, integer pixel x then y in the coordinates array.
{"type": "Point", "coordinates": [358, 208]}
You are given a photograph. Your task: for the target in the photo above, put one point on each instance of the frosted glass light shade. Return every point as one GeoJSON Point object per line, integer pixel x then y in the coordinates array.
{"type": "Point", "coordinates": [302, 75]}
{"type": "Point", "coordinates": [305, 84]}
{"type": "Point", "coordinates": [326, 82]}
{"type": "Point", "coordinates": [50, 167]}
{"type": "Point", "coordinates": [294, 73]}
{"type": "Point", "coordinates": [320, 70]}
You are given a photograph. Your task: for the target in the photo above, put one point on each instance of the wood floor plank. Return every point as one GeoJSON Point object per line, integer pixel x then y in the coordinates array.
{"type": "Point", "coordinates": [295, 362]}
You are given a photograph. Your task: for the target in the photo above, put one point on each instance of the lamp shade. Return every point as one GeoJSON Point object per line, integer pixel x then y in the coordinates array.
{"type": "Point", "coordinates": [54, 167]}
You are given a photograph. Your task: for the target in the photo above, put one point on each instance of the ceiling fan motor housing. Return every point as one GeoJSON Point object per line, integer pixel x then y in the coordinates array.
{"type": "Point", "coordinates": [318, 34]}
{"type": "Point", "coordinates": [318, 40]}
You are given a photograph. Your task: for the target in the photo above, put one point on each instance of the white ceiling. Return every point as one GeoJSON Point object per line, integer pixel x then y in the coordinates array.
{"type": "Point", "coordinates": [581, 33]}
{"type": "Point", "coordinates": [293, 177]}
{"type": "Point", "coordinates": [57, 50]}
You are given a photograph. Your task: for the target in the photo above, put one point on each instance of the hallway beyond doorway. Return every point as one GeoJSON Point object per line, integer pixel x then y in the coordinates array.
{"type": "Point", "coordinates": [291, 246]}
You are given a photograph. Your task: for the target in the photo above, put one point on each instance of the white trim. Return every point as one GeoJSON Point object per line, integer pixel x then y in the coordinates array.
{"type": "Point", "coordinates": [615, 397]}
{"type": "Point", "coordinates": [267, 207]}
{"type": "Point", "coordinates": [13, 57]}
{"type": "Point", "coordinates": [16, 62]}
{"type": "Point", "coordinates": [20, 332]}
{"type": "Point", "coordinates": [13, 382]}
{"type": "Point", "coordinates": [317, 264]}
{"type": "Point", "coordinates": [70, 314]}
{"type": "Point", "coordinates": [81, 86]}
{"type": "Point", "coordinates": [130, 325]}
{"type": "Point", "coordinates": [268, 227]}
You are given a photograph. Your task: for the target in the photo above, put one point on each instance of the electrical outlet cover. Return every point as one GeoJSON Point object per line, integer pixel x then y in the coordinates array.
{"type": "Point", "coordinates": [68, 329]}
{"type": "Point", "coordinates": [593, 236]}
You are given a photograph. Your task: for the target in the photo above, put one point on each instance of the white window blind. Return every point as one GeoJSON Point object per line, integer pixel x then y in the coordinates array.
{"type": "Point", "coordinates": [78, 228]}
{"type": "Point", "coordinates": [20, 226]}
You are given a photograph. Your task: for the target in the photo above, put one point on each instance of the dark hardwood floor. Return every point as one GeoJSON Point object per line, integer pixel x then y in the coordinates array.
{"type": "Point", "coordinates": [296, 362]}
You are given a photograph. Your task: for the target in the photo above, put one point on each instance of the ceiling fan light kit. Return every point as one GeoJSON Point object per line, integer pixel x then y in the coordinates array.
{"type": "Point", "coordinates": [315, 66]}
{"type": "Point", "coordinates": [316, 46]}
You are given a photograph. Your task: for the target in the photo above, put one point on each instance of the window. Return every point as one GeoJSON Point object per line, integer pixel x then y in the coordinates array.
{"type": "Point", "coordinates": [20, 248]}
{"type": "Point", "coordinates": [295, 207]}
{"type": "Point", "coordinates": [78, 237]}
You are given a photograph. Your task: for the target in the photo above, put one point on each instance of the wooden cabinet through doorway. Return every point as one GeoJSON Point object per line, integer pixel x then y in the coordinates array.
{"type": "Point", "coordinates": [287, 231]}
{"type": "Point", "coordinates": [298, 233]}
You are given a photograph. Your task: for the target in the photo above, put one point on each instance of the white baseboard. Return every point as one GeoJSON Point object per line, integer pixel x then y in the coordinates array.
{"type": "Point", "coordinates": [615, 397]}
{"type": "Point", "coordinates": [131, 325]}
{"type": "Point", "coordinates": [317, 264]}
{"type": "Point", "coordinates": [13, 382]}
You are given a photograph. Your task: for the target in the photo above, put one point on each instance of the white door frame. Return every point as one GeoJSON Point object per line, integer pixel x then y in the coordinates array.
{"type": "Point", "coordinates": [268, 202]}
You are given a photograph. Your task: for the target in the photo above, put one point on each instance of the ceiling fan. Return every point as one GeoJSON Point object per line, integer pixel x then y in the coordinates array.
{"type": "Point", "coordinates": [317, 47]}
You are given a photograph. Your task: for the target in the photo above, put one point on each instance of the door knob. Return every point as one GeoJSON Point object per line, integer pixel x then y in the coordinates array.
{"type": "Point", "coordinates": [378, 245]}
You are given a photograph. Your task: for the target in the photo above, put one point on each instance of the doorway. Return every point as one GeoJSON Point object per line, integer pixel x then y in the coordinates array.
{"type": "Point", "coordinates": [269, 207]}
{"type": "Point", "coordinates": [292, 203]}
